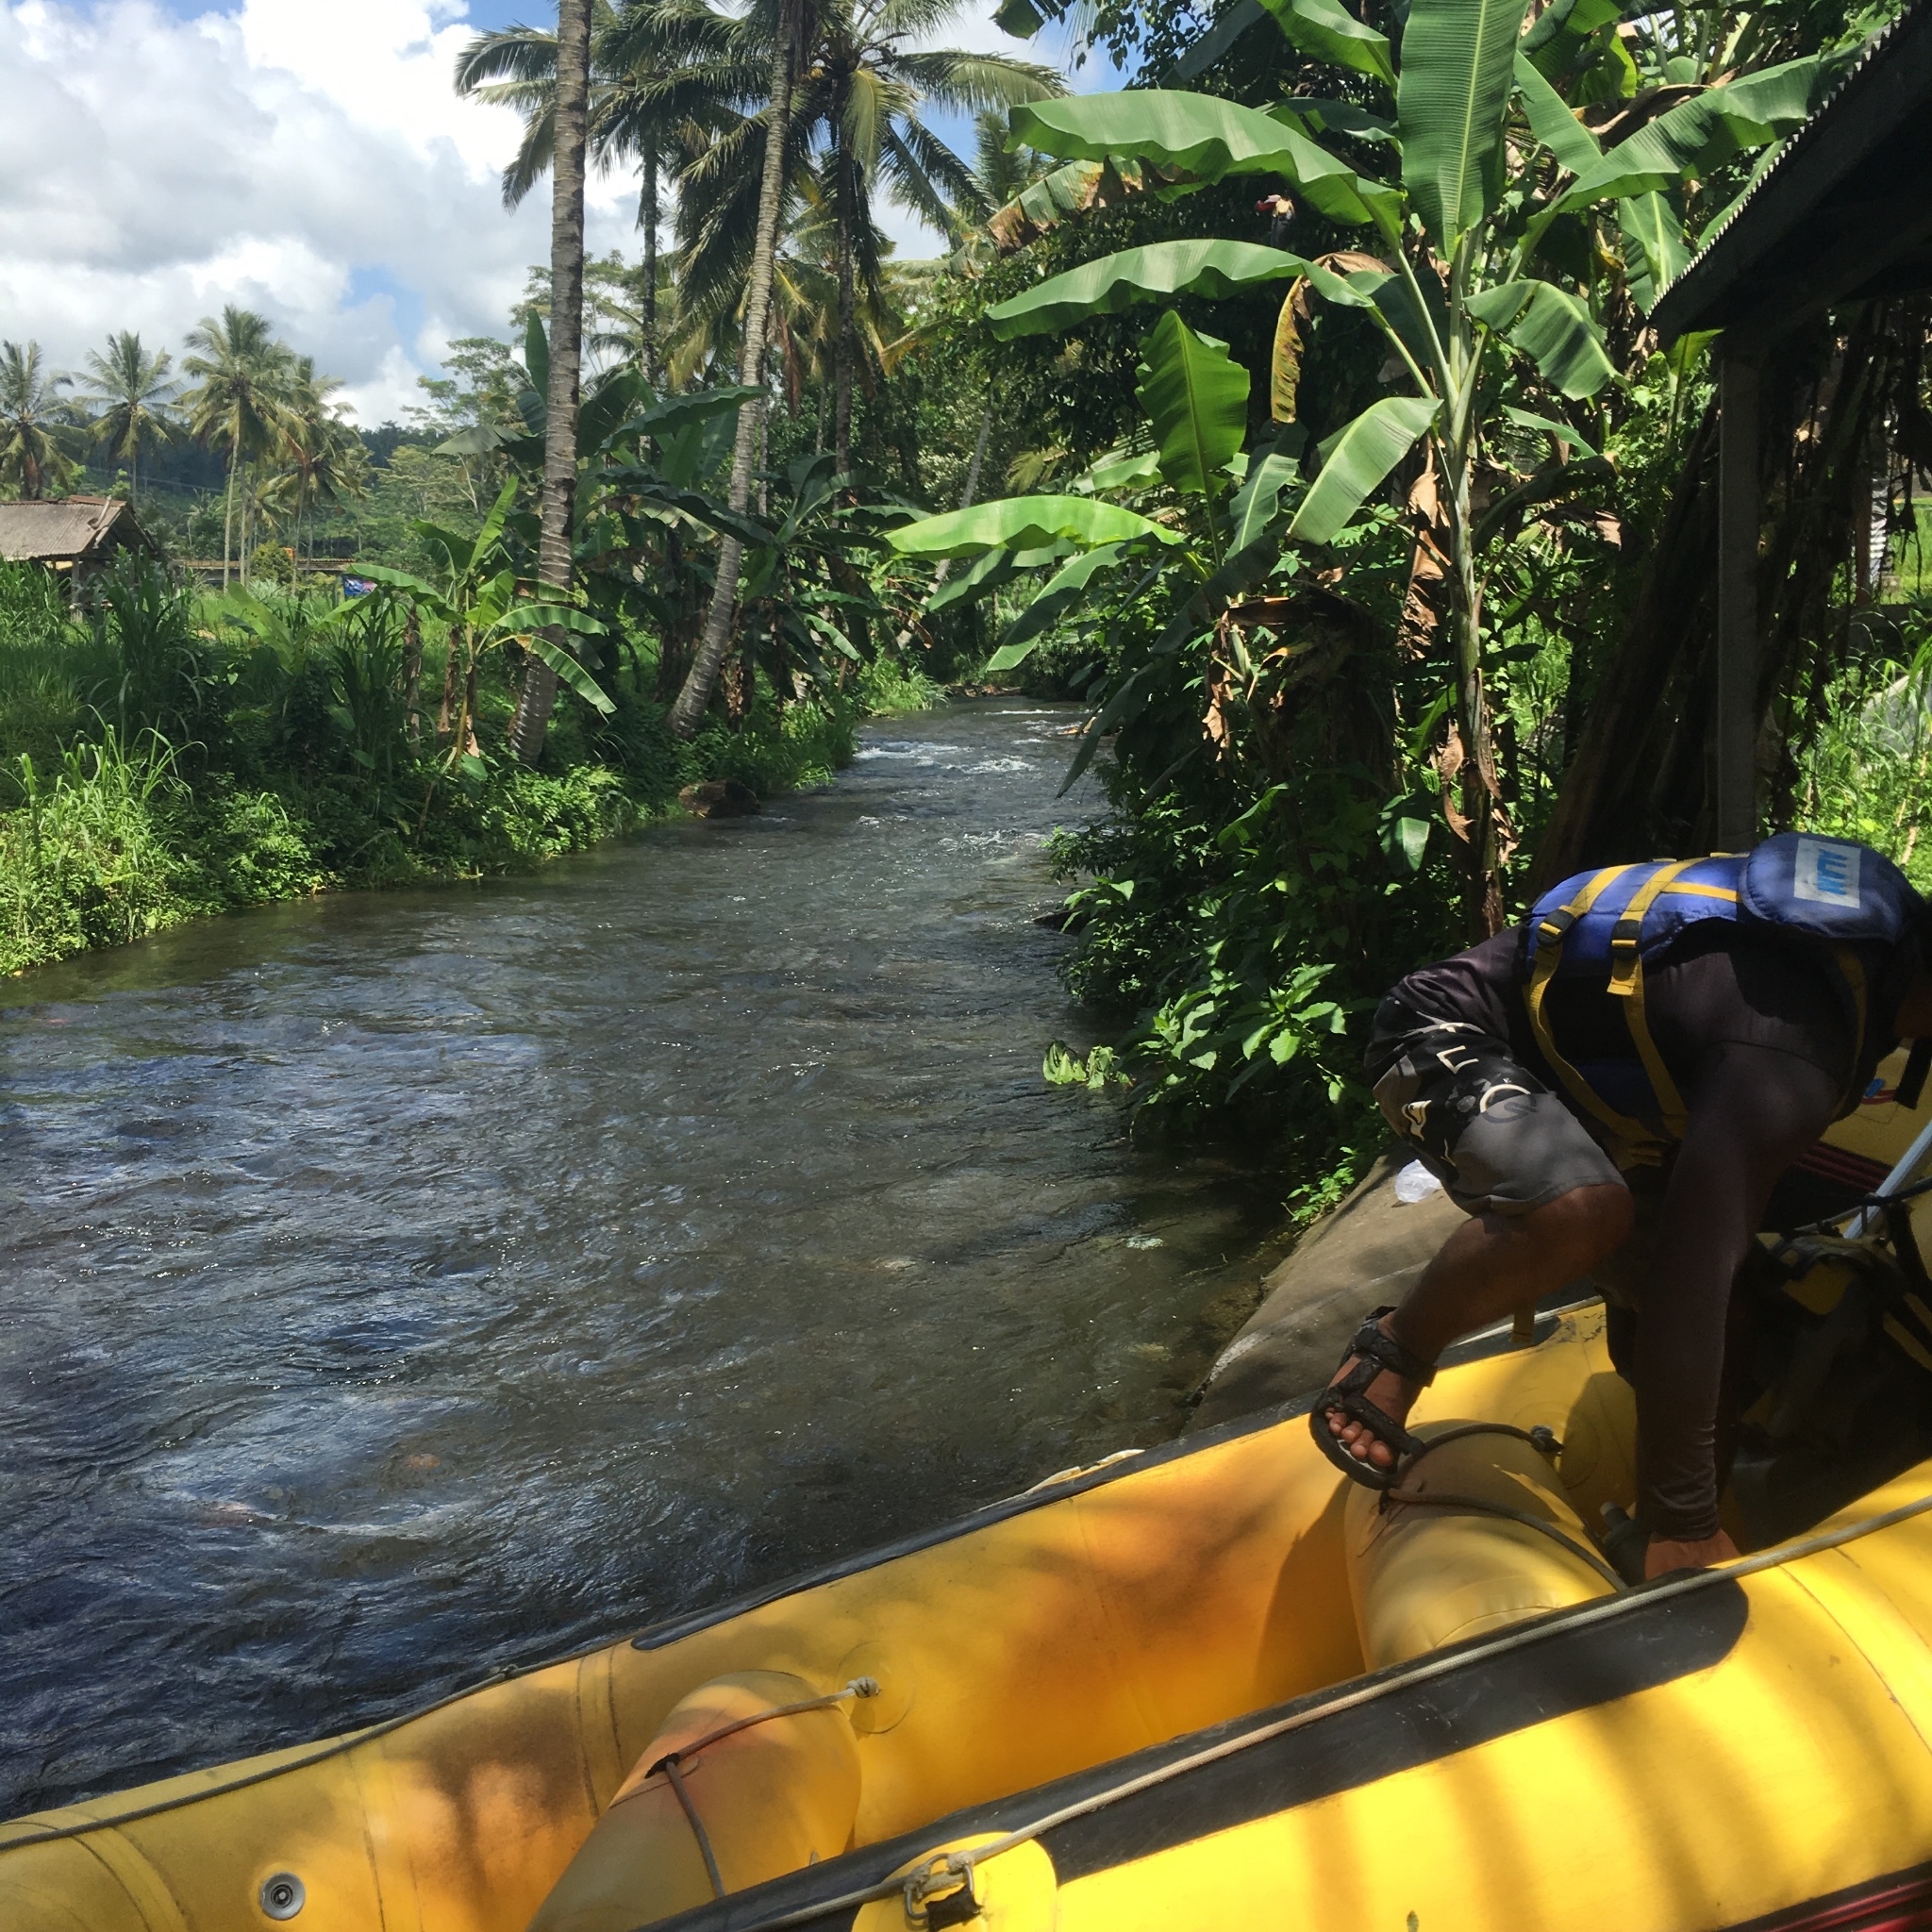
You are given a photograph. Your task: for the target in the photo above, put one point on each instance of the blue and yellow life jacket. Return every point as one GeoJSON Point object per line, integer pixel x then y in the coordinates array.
{"type": "Point", "coordinates": [1826, 895]}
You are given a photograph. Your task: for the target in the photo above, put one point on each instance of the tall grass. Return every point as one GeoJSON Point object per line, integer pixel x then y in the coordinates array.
{"type": "Point", "coordinates": [86, 858]}
{"type": "Point", "coordinates": [51, 665]}
{"type": "Point", "coordinates": [165, 756]}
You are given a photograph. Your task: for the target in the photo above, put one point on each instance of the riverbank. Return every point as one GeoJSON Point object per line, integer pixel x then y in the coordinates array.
{"type": "Point", "coordinates": [118, 839]}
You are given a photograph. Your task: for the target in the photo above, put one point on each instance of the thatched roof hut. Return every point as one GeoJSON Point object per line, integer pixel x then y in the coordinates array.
{"type": "Point", "coordinates": [69, 534]}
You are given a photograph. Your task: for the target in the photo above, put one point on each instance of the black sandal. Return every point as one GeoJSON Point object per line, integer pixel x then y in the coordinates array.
{"type": "Point", "coordinates": [1374, 1352]}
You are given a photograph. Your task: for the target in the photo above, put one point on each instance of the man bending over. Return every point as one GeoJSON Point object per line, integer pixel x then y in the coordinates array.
{"type": "Point", "coordinates": [1686, 1030]}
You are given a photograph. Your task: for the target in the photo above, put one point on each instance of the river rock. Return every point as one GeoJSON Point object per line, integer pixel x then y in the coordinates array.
{"type": "Point", "coordinates": [719, 798]}
{"type": "Point", "coordinates": [1367, 1251]}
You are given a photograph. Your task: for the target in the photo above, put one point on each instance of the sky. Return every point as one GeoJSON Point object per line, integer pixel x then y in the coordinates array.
{"type": "Point", "coordinates": [308, 158]}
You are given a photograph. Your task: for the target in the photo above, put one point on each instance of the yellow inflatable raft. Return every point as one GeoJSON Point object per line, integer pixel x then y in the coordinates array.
{"type": "Point", "coordinates": [1210, 1686]}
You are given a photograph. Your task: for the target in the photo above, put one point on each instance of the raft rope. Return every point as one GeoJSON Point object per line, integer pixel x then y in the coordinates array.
{"type": "Point", "coordinates": [671, 1761]}
{"type": "Point", "coordinates": [1864, 1206]}
{"type": "Point", "coordinates": [669, 1767]}
{"type": "Point", "coordinates": [952, 1869]}
{"type": "Point", "coordinates": [1601, 1610]}
{"type": "Point", "coordinates": [1543, 1441]}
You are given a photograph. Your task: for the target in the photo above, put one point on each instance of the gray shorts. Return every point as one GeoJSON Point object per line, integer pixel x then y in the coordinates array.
{"type": "Point", "coordinates": [1495, 1136]}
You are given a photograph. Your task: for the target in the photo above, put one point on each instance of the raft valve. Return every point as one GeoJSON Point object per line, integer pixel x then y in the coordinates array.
{"type": "Point", "coordinates": [283, 1895]}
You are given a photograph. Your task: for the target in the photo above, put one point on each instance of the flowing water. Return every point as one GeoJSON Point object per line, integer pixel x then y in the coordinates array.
{"type": "Point", "coordinates": [399, 1286]}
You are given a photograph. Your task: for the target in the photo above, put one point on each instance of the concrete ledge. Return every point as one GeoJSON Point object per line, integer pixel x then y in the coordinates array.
{"type": "Point", "coordinates": [1367, 1251]}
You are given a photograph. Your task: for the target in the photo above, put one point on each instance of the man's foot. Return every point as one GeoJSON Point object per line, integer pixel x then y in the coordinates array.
{"type": "Point", "coordinates": [1393, 1395]}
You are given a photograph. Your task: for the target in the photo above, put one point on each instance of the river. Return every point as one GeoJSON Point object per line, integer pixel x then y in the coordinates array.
{"type": "Point", "coordinates": [400, 1285]}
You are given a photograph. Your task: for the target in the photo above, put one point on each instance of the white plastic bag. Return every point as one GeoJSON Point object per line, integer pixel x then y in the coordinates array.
{"type": "Point", "coordinates": [1415, 1183]}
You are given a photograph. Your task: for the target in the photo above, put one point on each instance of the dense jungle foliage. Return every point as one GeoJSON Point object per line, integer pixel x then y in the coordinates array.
{"type": "Point", "coordinates": [1295, 408]}
{"type": "Point", "coordinates": [172, 755]}
{"type": "Point", "coordinates": [1372, 519]}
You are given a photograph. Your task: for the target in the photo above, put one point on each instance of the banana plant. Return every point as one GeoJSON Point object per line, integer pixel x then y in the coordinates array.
{"type": "Point", "coordinates": [476, 596]}
{"type": "Point", "coordinates": [810, 603]}
{"type": "Point", "coordinates": [1463, 271]}
{"type": "Point", "coordinates": [1107, 554]}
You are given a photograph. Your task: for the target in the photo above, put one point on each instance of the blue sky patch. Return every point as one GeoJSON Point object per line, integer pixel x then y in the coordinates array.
{"type": "Point", "coordinates": [407, 308]}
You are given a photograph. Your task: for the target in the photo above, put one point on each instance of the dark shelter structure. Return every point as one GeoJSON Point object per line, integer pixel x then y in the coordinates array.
{"type": "Point", "coordinates": [1842, 216]}
{"type": "Point", "coordinates": [70, 535]}
{"type": "Point", "coordinates": [1694, 715]}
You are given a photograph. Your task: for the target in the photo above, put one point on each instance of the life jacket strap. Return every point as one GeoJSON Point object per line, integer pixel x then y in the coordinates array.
{"type": "Point", "coordinates": [1627, 982]}
{"type": "Point", "coordinates": [1642, 1141]}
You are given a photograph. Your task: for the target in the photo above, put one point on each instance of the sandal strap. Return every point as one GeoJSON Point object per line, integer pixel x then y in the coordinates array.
{"type": "Point", "coordinates": [1382, 1348]}
{"type": "Point", "coordinates": [1343, 1399]}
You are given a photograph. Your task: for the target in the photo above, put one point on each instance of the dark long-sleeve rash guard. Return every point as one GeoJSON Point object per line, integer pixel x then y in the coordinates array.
{"type": "Point", "coordinates": [1764, 1050]}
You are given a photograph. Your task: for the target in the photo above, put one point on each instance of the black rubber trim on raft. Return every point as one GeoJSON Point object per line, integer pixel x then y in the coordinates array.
{"type": "Point", "coordinates": [675, 1629]}
{"type": "Point", "coordinates": [1892, 1903]}
{"type": "Point", "coordinates": [1565, 1671]}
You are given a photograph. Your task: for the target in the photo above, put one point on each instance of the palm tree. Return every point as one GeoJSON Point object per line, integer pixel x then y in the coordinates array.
{"type": "Point", "coordinates": [131, 389]}
{"type": "Point", "coordinates": [570, 142]}
{"type": "Point", "coordinates": [862, 93]}
{"type": "Point", "coordinates": [30, 408]}
{"type": "Point", "coordinates": [658, 69]}
{"type": "Point", "coordinates": [324, 460]}
{"type": "Point", "coordinates": [242, 404]}
{"type": "Point", "coordinates": [694, 698]}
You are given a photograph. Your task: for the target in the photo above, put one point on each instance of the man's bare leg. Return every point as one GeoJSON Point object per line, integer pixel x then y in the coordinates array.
{"type": "Point", "coordinates": [1491, 1266]}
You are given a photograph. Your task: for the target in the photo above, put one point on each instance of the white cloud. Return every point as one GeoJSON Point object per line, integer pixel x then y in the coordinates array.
{"type": "Point", "coordinates": [306, 158]}
{"type": "Point", "coordinates": [152, 168]}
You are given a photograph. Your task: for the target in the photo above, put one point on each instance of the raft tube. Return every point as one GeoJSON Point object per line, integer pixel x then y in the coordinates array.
{"type": "Point", "coordinates": [1207, 1685]}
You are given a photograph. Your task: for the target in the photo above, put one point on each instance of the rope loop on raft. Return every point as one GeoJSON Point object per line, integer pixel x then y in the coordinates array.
{"type": "Point", "coordinates": [959, 1907]}
{"type": "Point", "coordinates": [1543, 1441]}
{"type": "Point", "coordinates": [671, 1761]}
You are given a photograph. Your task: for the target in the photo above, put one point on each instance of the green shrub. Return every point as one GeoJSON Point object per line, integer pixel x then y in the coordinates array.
{"type": "Point", "coordinates": [165, 755]}
{"type": "Point", "coordinates": [891, 688]}
{"type": "Point", "coordinates": [91, 856]}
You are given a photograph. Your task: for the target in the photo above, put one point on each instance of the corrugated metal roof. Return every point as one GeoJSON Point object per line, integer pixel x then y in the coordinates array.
{"type": "Point", "coordinates": [1851, 83]}
{"type": "Point", "coordinates": [60, 531]}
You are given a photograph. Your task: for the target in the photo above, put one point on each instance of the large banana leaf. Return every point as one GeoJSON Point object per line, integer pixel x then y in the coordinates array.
{"type": "Point", "coordinates": [1555, 42]}
{"type": "Point", "coordinates": [1326, 31]}
{"type": "Point", "coordinates": [700, 508]}
{"type": "Point", "coordinates": [1553, 329]}
{"type": "Point", "coordinates": [1767, 158]}
{"type": "Point", "coordinates": [668, 416]}
{"type": "Point", "coordinates": [1355, 461]}
{"type": "Point", "coordinates": [1421, 325]}
{"type": "Point", "coordinates": [1319, 116]}
{"type": "Point", "coordinates": [1125, 470]}
{"type": "Point", "coordinates": [1655, 253]}
{"type": "Point", "coordinates": [1563, 432]}
{"type": "Point", "coordinates": [1458, 58]}
{"type": "Point", "coordinates": [1258, 499]}
{"type": "Point", "coordinates": [1335, 189]}
{"type": "Point", "coordinates": [602, 417]}
{"type": "Point", "coordinates": [1201, 137]}
{"type": "Point", "coordinates": [1696, 134]}
{"type": "Point", "coordinates": [1232, 23]}
{"type": "Point", "coordinates": [1551, 121]}
{"type": "Point", "coordinates": [1196, 397]}
{"type": "Point", "coordinates": [992, 572]}
{"type": "Point", "coordinates": [1024, 523]}
{"type": "Point", "coordinates": [1210, 267]}
{"type": "Point", "coordinates": [569, 669]}
{"type": "Point", "coordinates": [1077, 187]}
{"type": "Point", "coordinates": [1061, 594]}
{"type": "Point", "coordinates": [536, 354]}
{"type": "Point", "coordinates": [1208, 137]}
